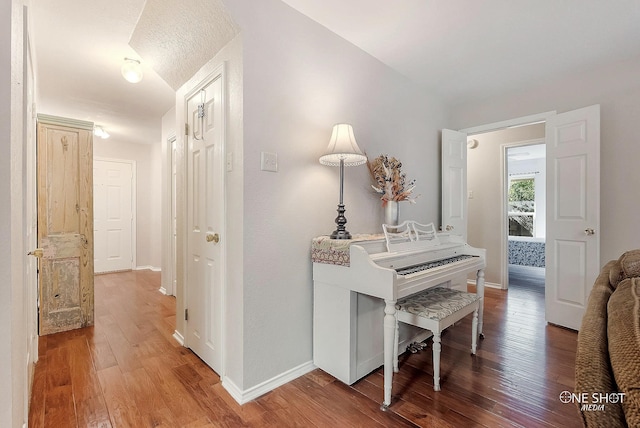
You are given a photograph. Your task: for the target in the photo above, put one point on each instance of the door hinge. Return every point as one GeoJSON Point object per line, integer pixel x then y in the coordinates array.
{"type": "Point", "coordinates": [186, 129]}
{"type": "Point", "coordinates": [186, 314]}
{"type": "Point", "coordinates": [200, 111]}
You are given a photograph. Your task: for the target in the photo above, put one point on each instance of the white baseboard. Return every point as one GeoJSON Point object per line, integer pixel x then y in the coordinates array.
{"type": "Point", "coordinates": [254, 392]}
{"type": "Point", "coordinates": [178, 337]}
{"type": "Point", "coordinates": [486, 284]}
{"type": "Point", "coordinates": [151, 268]}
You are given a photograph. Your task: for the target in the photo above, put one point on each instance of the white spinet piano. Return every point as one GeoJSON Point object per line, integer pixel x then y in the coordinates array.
{"type": "Point", "coordinates": [356, 285]}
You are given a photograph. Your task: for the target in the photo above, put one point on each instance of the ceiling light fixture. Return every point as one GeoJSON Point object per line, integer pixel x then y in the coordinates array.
{"type": "Point", "coordinates": [99, 131]}
{"type": "Point", "coordinates": [131, 70]}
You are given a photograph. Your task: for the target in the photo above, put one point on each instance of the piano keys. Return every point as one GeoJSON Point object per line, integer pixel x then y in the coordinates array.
{"type": "Point", "coordinates": [430, 265]}
{"type": "Point", "coordinates": [357, 283]}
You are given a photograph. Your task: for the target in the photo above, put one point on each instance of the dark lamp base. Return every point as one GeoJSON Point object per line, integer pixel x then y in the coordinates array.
{"type": "Point", "coordinates": [341, 220]}
{"type": "Point", "coordinates": [342, 234]}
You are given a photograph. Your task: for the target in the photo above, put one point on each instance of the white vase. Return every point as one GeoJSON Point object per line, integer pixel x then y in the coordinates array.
{"type": "Point", "coordinates": [391, 213]}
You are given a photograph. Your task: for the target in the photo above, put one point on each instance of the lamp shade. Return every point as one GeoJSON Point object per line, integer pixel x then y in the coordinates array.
{"type": "Point", "coordinates": [343, 146]}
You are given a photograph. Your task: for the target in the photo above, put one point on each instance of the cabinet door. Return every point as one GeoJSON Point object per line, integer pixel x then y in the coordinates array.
{"type": "Point", "coordinates": [65, 226]}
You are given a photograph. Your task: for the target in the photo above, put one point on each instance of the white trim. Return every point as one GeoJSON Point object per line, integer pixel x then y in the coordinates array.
{"type": "Point", "coordinates": [254, 392]}
{"type": "Point", "coordinates": [30, 206]}
{"type": "Point", "coordinates": [169, 256]}
{"type": "Point", "coordinates": [486, 284]}
{"type": "Point", "coordinates": [178, 337]}
{"type": "Point", "coordinates": [65, 121]}
{"type": "Point", "coordinates": [134, 213]}
{"type": "Point", "coordinates": [163, 291]}
{"type": "Point", "coordinates": [509, 123]}
{"type": "Point", "coordinates": [151, 268]}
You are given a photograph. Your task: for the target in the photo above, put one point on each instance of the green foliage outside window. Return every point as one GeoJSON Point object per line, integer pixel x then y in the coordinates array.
{"type": "Point", "coordinates": [521, 200]}
{"type": "Point", "coordinates": [522, 191]}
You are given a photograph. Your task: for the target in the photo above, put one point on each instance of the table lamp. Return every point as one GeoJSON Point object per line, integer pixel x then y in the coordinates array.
{"type": "Point", "coordinates": [342, 151]}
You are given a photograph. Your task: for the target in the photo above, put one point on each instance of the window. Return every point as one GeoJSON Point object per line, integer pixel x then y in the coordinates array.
{"type": "Point", "coordinates": [522, 206]}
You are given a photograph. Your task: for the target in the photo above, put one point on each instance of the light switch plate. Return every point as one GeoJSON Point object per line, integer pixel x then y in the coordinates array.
{"type": "Point", "coordinates": [269, 162]}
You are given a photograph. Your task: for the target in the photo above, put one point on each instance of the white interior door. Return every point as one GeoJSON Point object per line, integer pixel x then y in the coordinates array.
{"type": "Point", "coordinates": [454, 182]}
{"type": "Point", "coordinates": [30, 221]}
{"type": "Point", "coordinates": [205, 214]}
{"type": "Point", "coordinates": [573, 213]}
{"type": "Point", "coordinates": [113, 215]}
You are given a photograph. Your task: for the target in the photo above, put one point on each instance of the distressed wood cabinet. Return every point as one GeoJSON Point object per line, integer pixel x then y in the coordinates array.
{"type": "Point", "coordinates": [65, 223]}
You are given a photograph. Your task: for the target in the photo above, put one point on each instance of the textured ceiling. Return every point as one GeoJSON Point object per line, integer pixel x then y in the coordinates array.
{"type": "Point", "coordinates": [177, 40]}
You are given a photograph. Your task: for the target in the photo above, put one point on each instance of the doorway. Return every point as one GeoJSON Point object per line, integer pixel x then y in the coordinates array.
{"type": "Point", "coordinates": [525, 204]}
{"type": "Point", "coordinates": [487, 191]}
{"type": "Point", "coordinates": [572, 246]}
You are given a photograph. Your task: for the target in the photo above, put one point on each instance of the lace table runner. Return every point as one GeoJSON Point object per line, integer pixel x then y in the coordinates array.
{"type": "Point", "coordinates": [336, 251]}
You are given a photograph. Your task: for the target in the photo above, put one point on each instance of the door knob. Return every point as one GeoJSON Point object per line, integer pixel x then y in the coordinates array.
{"type": "Point", "coordinates": [448, 228]}
{"type": "Point", "coordinates": [589, 231]}
{"type": "Point", "coordinates": [38, 252]}
{"type": "Point", "coordinates": [213, 237]}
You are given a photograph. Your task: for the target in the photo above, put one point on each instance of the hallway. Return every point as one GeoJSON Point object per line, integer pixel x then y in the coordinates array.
{"type": "Point", "coordinates": [128, 371]}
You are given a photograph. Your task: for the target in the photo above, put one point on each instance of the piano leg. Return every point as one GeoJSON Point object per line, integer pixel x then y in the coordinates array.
{"type": "Point", "coordinates": [389, 340]}
{"type": "Point", "coordinates": [396, 339]}
{"type": "Point", "coordinates": [480, 292]}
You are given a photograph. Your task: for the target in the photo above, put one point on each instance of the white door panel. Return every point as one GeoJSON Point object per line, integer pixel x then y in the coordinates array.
{"type": "Point", "coordinates": [454, 182]}
{"type": "Point", "coordinates": [205, 223]}
{"type": "Point", "coordinates": [113, 215]}
{"type": "Point", "coordinates": [573, 210]}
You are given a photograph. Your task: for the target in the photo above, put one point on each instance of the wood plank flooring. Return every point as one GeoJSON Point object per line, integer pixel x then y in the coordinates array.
{"type": "Point", "coordinates": [528, 277]}
{"type": "Point", "coordinates": [128, 371]}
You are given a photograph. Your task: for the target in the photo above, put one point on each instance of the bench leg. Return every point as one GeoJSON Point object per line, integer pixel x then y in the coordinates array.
{"type": "Point", "coordinates": [474, 332]}
{"type": "Point", "coordinates": [436, 361]}
{"type": "Point", "coordinates": [480, 293]}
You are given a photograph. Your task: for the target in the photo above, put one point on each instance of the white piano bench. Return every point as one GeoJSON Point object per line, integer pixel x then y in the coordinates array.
{"type": "Point", "coordinates": [435, 309]}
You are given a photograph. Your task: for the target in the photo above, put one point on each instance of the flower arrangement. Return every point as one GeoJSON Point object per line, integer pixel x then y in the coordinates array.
{"type": "Point", "coordinates": [390, 181]}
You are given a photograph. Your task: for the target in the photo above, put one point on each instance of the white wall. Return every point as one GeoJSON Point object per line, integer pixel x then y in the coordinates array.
{"type": "Point", "coordinates": [148, 158]}
{"type": "Point", "coordinates": [299, 80]}
{"type": "Point", "coordinates": [616, 88]}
